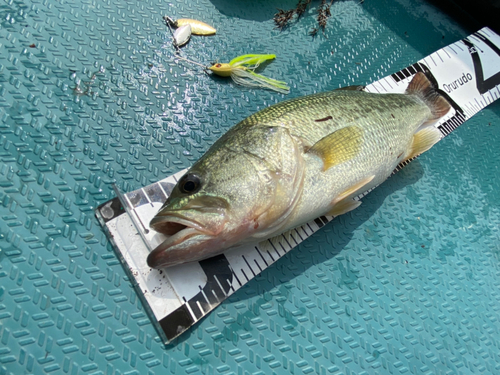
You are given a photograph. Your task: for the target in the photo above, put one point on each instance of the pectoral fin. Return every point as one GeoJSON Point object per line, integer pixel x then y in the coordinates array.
{"type": "Point", "coordinates": [339, 146]}
{"type": "Point", "coordinates": [422, 141]}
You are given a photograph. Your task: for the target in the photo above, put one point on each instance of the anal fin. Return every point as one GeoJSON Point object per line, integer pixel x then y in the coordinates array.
{"type": "Point", "coordinates": [423, 140]}
{"type": "Point", "coordinates": [343, 207]}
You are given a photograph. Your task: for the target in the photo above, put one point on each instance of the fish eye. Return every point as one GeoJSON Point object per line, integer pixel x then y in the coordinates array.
{"type": "Point", "coordinates": [189, 183]}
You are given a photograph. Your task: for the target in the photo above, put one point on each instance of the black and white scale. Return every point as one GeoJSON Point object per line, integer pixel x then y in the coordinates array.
{"type": "Point", "coordinates": [466, 72]}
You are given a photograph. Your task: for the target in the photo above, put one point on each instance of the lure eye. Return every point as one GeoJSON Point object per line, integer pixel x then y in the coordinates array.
{"type": "Point", "coordinates": [189, 184]}
{"type": "Point", "coordinates": [218, 65]}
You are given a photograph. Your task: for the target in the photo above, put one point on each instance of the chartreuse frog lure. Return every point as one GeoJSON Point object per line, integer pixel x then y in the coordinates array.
{"type": "Point", "coordinates": [241, 70]}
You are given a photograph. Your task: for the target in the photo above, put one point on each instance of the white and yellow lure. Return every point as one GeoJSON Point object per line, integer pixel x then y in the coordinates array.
{"type": "Point", "coordinates": [241, 70]}
{"type": "Point", "coordinates": [197, 27]}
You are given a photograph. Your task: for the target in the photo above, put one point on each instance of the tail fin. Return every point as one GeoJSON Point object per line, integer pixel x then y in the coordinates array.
{"type": "Point", "coordinates": [423, 88]}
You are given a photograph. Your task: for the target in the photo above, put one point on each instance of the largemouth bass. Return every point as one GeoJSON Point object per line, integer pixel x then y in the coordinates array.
{"type": "Point", "coordinates": [291, 163]}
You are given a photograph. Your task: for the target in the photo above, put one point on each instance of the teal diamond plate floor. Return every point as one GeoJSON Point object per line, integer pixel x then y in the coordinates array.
{"type": "Point", "coordinates": [90, 96]}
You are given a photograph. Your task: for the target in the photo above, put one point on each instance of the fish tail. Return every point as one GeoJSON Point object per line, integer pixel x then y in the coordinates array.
{"type": "Point", "coordinates": [422, 87]}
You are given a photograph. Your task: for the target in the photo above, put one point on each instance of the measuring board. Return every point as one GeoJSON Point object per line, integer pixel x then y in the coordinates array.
{"type": "Point", "coordinates": [467, 73]}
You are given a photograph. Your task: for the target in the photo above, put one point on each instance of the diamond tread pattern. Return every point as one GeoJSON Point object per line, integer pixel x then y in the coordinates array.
{"type": "Point", "coordinates": [90, 95]}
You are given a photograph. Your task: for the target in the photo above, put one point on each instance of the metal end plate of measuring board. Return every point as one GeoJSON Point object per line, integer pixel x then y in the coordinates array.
{"type": "Point", "coordinates": [467, 73]}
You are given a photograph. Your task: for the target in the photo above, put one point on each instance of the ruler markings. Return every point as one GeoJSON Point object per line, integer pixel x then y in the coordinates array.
{"type": "Point", "coordinates": [309, 226]}
{"type": "Point", "coordinates": [163, 191]}
{"type": "Point", "coordinates": [259, 259]}
{"type": "Point", "coordinates": [262, 256]}
{"type": "Point", "coordinates": [237, 278]}
{"type": "Point", "coordinates": [480, 102]}
{"type": "Point", "coordinates": [375, 87]}
{"type": "Point", "coordinates": [230, 283]}
{"type": "Point", "coordinates": [479, 36]}
{"type": "Point", "coordinates": [202, 310]}
{"type": "Point", "coordinates": [479, 41]}
{"type": "Point", "coordinates": [477, 105]}
{"type": "Point", "coordinates": [248, 264]}
{"type": "Point", "coordinates": [306, 228]}
{"type": "Point", "coordinates": [485, 32]}
{"type": "Point", "coordinates": [483, 101]}
{"type": "Point", "coordinates": [193, 306]}
{"type": "Point", "coordinates": [207, 298]}
{"type": "Point", "coordinates": [438, 55]}
{"type": "Point", "coordinates": [196, 307]}
{"type": "Point", "coordinates": [399, 75]}
{"type": "Point", "coordinates": [498, 91]}
{"type": "Point", "coordinates": [220, 285]}
{"type": "Point", "coordinates": [217, 298]}
{"type": "Point", "coordinates": [459, 45]}
{"type": "Point", "coordinates": [244, 274]}
{"type": "Point", "coordinates": [297, 230]}
{"type": "Point", "coordinates": [270, 255]}
{"type": "Point", "coordinates": [258, 265]}
{"type": "Point", "coordinates": [285, 247]}
{"type": "Point", "coordinates": [138, 219]}
{"type": "Point", "coordinates": [388, 83]}
{"type": "Point", "coordinates": [147, 197]}
{"type": "Point", "coordinates": [288, 242]}
{"type": "Point", "coordinates": [432, 58]}
{"type": "Point", "coordinates": [193, 316]}
{"type": "Point", "coordinates": [425, 61]}
{"type": "Point", "coordinates": [275, 249]}
{"type": "Point", "coordinates": [452, 50]}
{"type": "Point", "coordinates": [278, 242]}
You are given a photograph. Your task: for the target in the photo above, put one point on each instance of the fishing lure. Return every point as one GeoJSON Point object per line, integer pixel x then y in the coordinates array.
{"type": "Point", "coordinates": [241, 70]}
{"type": "Point", "coordinates": [197, 27]}
{"type": "Point", "coordinates": [182, 35]}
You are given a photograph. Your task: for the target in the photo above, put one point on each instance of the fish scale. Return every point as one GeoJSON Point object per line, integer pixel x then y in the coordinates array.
{"type": "Point", "coordinates": [291, 163]}
{"type": "Point", "coordinates": [382, 134]}
{"type": "Point", "coordinates": [345, 107]}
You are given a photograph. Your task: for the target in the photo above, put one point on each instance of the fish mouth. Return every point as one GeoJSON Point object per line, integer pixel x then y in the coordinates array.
{"type": "Point", "coordinates": [171, 225]}
{"type": "Point", "coordinates": [178, 231]}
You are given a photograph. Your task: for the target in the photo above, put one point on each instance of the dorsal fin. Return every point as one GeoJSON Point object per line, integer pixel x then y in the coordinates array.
{"type": "Point", "coordinates": [352, 88]}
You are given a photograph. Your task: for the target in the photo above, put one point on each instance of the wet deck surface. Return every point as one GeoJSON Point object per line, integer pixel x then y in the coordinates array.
{"type": "Point", "coordinates": [91, 96]}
